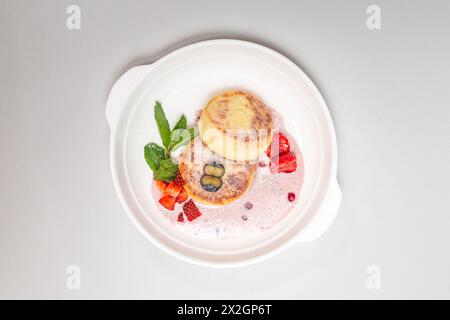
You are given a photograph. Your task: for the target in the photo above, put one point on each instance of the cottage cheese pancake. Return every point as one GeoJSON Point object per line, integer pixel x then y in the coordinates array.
{"type": "Point", "coordinates": [226, 180]}
{"type": "Point", "coordinates": [236, 125]}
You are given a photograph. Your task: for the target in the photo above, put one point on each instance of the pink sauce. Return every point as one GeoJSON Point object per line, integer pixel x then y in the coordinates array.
{"type": "Point", "coordinates": [267, 197]}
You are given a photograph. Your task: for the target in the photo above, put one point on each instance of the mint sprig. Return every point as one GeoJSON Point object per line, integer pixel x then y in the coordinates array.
{"type": "Point", "coordinates": [167, 170]}
{"type": "Point", "coordinates": [181, 137]}
{"type": "Point", "coordinates": [181, 124]}
{"type": "Point", "coordinates": [153, 154]}
{"type": "Point", "coordinates": [158, 158]}
{"type": "Point", "coordinates": [163, 125]}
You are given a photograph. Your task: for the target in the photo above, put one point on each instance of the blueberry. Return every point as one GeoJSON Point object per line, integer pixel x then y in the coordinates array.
{"type": "Point", "coordinates": [210, 183]}
{"type": "Point", "coordinates": [214, 169]}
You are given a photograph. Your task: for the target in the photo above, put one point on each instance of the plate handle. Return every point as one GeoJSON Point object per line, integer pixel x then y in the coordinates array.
{"type": "Point", "coordinates": [324, 217]}
{"type": "Point", "coordinates": [121, 91]}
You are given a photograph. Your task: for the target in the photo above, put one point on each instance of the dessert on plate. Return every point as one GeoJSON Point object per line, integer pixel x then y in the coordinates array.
{"type": "Point", "coordinates": [238, 171]}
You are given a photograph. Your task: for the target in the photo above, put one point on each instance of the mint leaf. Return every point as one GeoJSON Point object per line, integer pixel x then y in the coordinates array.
{"type": "Point", "coordinates": [181, 137]}
{"type": "Point", "coordinates": [153, 154]}
{"type": "Point", "coordinates": [167, 170]}
{"type": "Point", "coordinates": [163, 125]}
{"type": "Point", "coordinates": [181, 124]}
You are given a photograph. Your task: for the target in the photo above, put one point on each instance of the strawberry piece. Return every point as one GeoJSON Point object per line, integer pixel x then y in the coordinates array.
{"type": "Point", "coordinates": [190, 210]}
{"type": "Point", "coordinates": [182, 196]}
{"type": "Point", "coordinates": [161, 185]}
{"type": "Point", "coordinates": [167, 202]}
{"type": "Point", "coordinates": [283, 146]}
{"type": "Point", "coordinates": [180, 217]}
{"type": "Point", "coordinates": [179, 179]}
{"type": "Point", "coordinates": [173, 189]}
{"type": "Point", "coordinates": [286, 163]}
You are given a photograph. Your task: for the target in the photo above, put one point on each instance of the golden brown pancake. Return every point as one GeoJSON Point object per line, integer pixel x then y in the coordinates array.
{"type": "Point", "coordinates": [236, 180]}
{"type": "Point", "coordinates": [236, 125]}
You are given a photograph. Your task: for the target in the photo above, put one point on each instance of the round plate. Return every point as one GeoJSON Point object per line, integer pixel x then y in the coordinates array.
{"type": "Point", "coordinates": [183, 82]}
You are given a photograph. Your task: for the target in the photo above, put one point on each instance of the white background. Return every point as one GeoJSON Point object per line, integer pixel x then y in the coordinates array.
{"type": "Point", "coordinates": [388, 92]}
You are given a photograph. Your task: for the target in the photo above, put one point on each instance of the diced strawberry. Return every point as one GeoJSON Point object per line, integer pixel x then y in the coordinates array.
{"type": "Point", "coordinates": [179, 179]}
{"type": "Point", "coordinates": [161, 185]}
{"type": "Point", "coordinates": [286, 163]}
{"type": "Point", "coordinates": [173, 189]}
{"type": "Point", "coordinates": [180, 217]}
{"type": "Point", "coordinates": [167, 202]}
{"type": "Point", "coordinates": [190, 210]}
{"type": "Point", "coordinates": [283, 146]}
{"type": "Point", "coordinates": [182, 196]}
{"type": "Point", "coordinates": [269, 148]}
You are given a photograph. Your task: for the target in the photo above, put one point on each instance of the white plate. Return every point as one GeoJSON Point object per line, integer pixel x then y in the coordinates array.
{"type": "Point", "coordinates": [184, 81]}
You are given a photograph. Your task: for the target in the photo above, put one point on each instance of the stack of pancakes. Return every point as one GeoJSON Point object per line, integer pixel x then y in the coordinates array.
{"type": "Point", "coordinates": [235, 127]}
